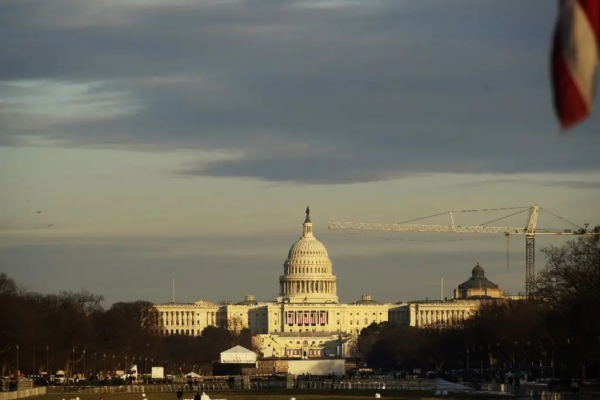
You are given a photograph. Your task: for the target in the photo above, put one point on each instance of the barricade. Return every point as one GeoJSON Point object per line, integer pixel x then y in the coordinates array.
{"type": "Point", "coordinates": [239, 384]}
{"type": "Point", "coordinates": [21, 394]}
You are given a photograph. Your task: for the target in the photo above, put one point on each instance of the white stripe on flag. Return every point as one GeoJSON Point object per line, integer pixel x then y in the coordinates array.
{"type": "Point", "coordinates": [575, 59]}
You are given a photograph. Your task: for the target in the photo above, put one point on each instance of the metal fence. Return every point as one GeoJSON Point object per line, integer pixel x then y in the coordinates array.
{"type": "Point", "coordinates": [538, 393]}
{"type": "Point", "coordinates": [256, 385]}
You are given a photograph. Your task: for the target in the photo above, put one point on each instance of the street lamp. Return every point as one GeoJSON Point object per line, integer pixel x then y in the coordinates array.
{"type": "Point", "coordinates": [104, 368]}
{"type": "Point", "coordinates": [73, 371]}
{"type": "Point", "coordinates": [568, 352]}
{"type": "Point", "coordinates": [18, 361]}
{"type": "Point", "coordinates": [498, 347]}
{"type": "Point", "coordinates": [84, 374]}
{"type": "Point", "coordinates": [552, 341]}
{"type": "Point", "coordinates": [33, 371]}
{"type": "Point", "coordinates": [47, 368]}
{"type": "Point", "coordinates": [467, 362]}
{"type": "Point", "coordinates": [146, 366]}
{"type": "Point", "coordinates": [95, 364]}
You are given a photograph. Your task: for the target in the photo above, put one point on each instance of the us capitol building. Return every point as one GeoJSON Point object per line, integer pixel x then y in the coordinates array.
{"type": "Point", "coordinates": [307, 320]}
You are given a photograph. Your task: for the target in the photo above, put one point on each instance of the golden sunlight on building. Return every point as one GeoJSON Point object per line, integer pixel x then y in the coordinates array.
{"type": "Point", "coordinates": [307, 320]}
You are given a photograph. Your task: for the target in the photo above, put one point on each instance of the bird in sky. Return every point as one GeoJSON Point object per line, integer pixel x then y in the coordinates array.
{"type": "Point", "coordinates": [39, 212]}
{"type": "Point", "coordinates": [50, 225]}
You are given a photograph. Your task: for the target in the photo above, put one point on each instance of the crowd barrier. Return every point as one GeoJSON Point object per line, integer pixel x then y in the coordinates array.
{"type": "Point", "coordinates": [256, 385]}
{"type": "Point", "coordinates": [21, 394]}
{"type": "Point", "coordinates": [537, 393]}
{"type": "Point", "coordinates": [523, 393]}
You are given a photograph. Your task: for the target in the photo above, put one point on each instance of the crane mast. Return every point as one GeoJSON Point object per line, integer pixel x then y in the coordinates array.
{"type": "Point", "coordinates": [530, 251]}
{"type": "Point", "coordinates": [529, 231]}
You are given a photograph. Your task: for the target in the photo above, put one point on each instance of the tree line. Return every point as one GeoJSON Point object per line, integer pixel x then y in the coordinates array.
{"type": "Point", "coordinates": [72, 331]}
{"type": "Point", "coordinates": [555, 334]}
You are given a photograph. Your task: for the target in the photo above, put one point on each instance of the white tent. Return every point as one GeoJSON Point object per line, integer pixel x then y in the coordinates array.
{"type": "Point", "coordinates": [192, 375]}
{"type": "Point", "coordinates": [238, 355]}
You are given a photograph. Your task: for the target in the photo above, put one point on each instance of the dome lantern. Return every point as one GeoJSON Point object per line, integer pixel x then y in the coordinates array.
{"type": "Point", "coordinates": [307, 225]}
{"type": "Point", "coordinates": [478, 271]}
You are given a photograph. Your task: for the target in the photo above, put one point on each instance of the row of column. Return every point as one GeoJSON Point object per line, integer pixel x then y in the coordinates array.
{"type": "Point", "coordinates": [185, 318]}
{"type": "Point", "coordinates": [308, 270]}
{"type": "Point", "coordinates": [187, 332]}
{"type": "Point", "coordinates": [428, 317]}
{"type": "Point", "coordinates": [307, 287]}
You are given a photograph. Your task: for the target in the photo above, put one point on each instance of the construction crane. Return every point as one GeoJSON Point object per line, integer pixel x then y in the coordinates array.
{"type": "Point", "coordinates": [530, 231]}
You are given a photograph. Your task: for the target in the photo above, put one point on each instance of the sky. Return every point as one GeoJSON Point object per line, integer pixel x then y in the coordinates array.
{"type": "Point", "coordinates": [183, 139]}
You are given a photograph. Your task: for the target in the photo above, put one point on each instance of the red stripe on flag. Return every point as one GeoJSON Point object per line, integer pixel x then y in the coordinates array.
{"type": "Point", "coordinates": [570, 83]}
{"type": "Point", "coordinates": [569, 103]}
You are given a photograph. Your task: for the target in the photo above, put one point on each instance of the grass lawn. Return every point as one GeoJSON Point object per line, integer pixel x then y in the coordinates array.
{"type": "Point", "coordinates": [302, 394]}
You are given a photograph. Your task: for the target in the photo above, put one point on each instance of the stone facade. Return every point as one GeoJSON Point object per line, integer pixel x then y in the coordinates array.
{"type": "Point", "coordinates": [187, 318]}
{"type": "Point", "coordinates": [428, 313]}
{"type": "Point", "coordinates": [307, 319]}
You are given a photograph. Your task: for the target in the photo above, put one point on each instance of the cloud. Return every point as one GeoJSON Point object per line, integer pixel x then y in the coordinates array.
{"type": "Point", "coordinates": [489, 182]}
{"type": "Point", "coordinates": [595, 185]}
{"type": "Point", "coordinates": [284, 91]}
{"type": "Point", "coordinates": [572, 184]}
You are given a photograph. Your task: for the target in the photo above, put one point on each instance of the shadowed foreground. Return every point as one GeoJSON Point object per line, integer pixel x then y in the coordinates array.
{"type": "Point", "coordinates": [303, 394]}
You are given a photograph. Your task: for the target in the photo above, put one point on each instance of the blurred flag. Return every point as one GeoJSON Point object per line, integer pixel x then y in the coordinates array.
{"type": "Point", "coordinates": [575, 60]}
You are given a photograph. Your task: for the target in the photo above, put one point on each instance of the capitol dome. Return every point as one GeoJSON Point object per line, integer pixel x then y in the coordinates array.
{"type": "Point", "coordinates": [309, 249]}
{"type": "Point", "coordinates": [308, 274]}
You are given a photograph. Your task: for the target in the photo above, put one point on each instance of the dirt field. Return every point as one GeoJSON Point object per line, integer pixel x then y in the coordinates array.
{"type": "Point", "coordinates": [278, 395]}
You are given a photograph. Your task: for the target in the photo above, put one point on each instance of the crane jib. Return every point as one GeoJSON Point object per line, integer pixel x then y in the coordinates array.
{"type": "Point", "coordinates": [530, 231]}
{"type": "Point", "coordinates": [450, 229]}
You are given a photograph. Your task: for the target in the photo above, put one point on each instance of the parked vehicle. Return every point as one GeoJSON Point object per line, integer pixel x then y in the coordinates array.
{"type": "Point", "coordinates": [59, 378]}
{"type": "Point", "coordinates": [158, 374]}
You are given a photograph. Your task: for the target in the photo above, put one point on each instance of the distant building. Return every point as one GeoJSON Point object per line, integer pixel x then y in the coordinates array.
{"type": "Point", "coordinates": [307, 320]}
{"type": "Point", "coordinates": [478, 286]}
{"type": "Point", "coordinates": [515, 297]}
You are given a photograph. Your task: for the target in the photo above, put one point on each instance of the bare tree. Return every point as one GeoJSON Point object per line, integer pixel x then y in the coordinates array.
{"type": "Point", "coordinates": [7, 285]}
{"type": "Point", "coordinates": [570, 285]}
{"type": "Point", "coordinates": [235, 325]}
{"type": "Point", "coordinates": [84, 300]}
{"type": "Point", "coordinates": [571, 275]}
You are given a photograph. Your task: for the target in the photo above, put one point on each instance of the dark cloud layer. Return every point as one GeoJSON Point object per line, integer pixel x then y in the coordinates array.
{"type": "Point", "coordinates": [355, 92]}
